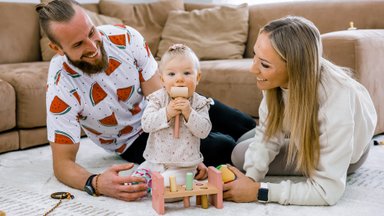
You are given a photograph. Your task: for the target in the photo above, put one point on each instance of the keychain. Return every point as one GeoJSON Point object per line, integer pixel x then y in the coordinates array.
{"type": "Point", "coordinates": [60, 196]}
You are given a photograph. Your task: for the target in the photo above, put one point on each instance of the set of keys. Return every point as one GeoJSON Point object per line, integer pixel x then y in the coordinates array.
{"type": "Point", "coordinates": [60, 196]}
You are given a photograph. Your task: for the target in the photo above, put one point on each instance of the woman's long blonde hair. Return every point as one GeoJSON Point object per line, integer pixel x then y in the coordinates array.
{"type": "Point", "coordinates": [298, 42]}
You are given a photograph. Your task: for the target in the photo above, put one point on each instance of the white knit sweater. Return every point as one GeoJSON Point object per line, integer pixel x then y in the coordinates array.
{"type": "Point", "coordinates": [347, 120]}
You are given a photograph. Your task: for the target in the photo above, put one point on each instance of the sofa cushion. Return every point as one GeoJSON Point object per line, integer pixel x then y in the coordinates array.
{"type": "Point", "coordinates": [33, 137]}
{"type": "Point", "coordinates": [8, 106]}
{"type": "Point", "coordinates": [29, 81]}
{"type": "Point", "coordinates": [231, 82]}
{"type": "Point", "coordinates": [97, 19]}
{"type": "Point", "coordinates": [213, 33]}
{"type": "Point", "coordinates": [9, 141]}
{"type": "Point", "coordinates": [19, 33]}
{"type": "Point", "coordinates": [148, 18]}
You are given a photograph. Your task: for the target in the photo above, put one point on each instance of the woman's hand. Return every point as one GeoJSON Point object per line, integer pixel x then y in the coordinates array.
{"type": "Point", "coordinates": [127, 188]}
{"type": "Point", "coordinates": [242, 189]}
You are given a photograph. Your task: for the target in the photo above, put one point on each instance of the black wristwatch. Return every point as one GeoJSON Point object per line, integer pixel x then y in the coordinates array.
{"type": "Point", "coordinates": [88, 186]}
{"type": "Point", "coordinates": [262, 195]}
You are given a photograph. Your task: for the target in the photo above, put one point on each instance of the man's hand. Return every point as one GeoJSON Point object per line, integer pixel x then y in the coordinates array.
{"type": "Point", "coordinates": [243, 189]}
{"type": "Point", "coordinates": [127, 188]}
{"type": "Point", "coordinates": [202, 172]}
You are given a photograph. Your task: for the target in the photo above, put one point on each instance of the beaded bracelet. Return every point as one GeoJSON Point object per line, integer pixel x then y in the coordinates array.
{"type": "Point", "coordinates": [96, 188]}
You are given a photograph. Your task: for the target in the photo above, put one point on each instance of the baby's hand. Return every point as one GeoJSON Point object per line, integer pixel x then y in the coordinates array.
{"type": "Point", "coordinates": [171, 110]}
{"type": "Point", "coordinates": [202, 171]}
{"type": "Point", "coordinates": [184, 106]}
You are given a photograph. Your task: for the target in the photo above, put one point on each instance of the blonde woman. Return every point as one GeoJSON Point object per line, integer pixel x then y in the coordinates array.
{"type": "Point", "coordinates": [315, 120]}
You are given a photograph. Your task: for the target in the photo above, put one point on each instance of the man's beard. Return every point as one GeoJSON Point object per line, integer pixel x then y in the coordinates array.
{"type": "Point", "coordinates": [89, 68]}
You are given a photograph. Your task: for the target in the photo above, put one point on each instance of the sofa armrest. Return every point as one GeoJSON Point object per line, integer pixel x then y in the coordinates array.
{"type": "Point", "coordinates": [362, 51]}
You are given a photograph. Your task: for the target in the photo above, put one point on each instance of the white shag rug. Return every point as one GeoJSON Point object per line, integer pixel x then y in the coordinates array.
{"type": "Point", "coordinates": [27, 180]}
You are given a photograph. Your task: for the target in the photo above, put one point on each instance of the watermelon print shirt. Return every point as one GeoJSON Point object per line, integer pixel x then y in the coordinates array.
{"type": "Point", "coordinates": [107, 105]}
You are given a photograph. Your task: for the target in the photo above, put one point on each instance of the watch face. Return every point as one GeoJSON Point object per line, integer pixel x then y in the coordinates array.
{"type": "Point", "coordinates": [263, 195]}
{"type": "Point", "coordinates": [89, 190]}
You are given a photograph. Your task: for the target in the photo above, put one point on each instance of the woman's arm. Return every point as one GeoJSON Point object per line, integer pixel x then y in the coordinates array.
{"type": "Point", "coordinates": [260, 153]}
{"type": "Point", "coordinates": [327, 184]}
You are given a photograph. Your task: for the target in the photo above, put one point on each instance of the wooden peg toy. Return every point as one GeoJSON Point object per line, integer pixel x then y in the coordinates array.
{"type": "Point", "coordinates": [172, 184]}
{"type": "Point", "coordinates": [178, 92]}
{"type": "Point", "coordinates": [210, 192]}
{"type": "Point", "coordinates": [189, 181]}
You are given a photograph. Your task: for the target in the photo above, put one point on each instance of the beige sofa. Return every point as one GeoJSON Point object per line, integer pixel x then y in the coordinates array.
{"type": "Point", "coordinates": [23, 72]}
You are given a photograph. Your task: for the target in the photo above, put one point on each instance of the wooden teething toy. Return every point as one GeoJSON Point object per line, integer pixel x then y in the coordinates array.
{"type": "Point", "coordinates": [178, 92]}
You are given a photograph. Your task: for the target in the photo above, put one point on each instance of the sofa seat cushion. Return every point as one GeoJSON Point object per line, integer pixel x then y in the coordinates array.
{"type": "Point", "coordinates": [29, 81]}
{"type": "Point", "coordinates": [33, 137]}
{"type": "Point", "coordinates": [231, 82]}
{"type": "Point", "coordinates": [9, 141]}
{"type": "Point", "coordinates": [8, 106]}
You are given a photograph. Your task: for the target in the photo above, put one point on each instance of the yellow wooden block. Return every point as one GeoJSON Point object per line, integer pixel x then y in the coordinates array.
{"type": "Point", "coordinates": [226, 174]}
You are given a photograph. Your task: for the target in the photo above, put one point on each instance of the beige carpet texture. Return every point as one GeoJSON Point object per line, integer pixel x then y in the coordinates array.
{"type": "Point", "coordinates": [27, 181]}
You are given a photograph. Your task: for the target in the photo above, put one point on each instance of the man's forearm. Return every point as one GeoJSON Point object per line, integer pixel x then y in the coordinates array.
{"type": "Point", "coordinates": [71, 174]}
{"type": "Point", "coordinates": [65, 167]}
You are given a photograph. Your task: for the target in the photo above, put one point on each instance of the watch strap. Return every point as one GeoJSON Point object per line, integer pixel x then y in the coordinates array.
{"type": "Point", "coordinates": [88, 184]}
